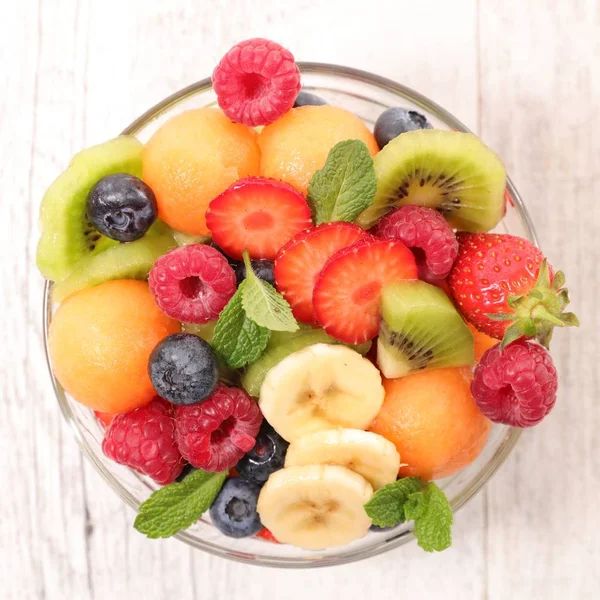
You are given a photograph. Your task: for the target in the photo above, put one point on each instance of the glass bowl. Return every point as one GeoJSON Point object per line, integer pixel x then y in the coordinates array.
{"type": "Point", "coordinates": [367, 96]}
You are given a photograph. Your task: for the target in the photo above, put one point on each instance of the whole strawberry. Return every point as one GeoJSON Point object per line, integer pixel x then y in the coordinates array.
{"type": "Point", "coordinates": [515, 386]}
{"type": "Point", "coordinates": [504, 286]}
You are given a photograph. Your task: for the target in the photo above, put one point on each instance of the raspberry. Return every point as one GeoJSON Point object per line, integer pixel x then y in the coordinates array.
{"type": "Point", "coordinates": [214, 435]}
{"type": "Point", "coordinates": [144, 440]}
{"type": "Point", "coordinates": [426, 231]}
{"type": "Point", "coordinates": [515, 386]}
{"type": "Point", "coordinates": [192, 283]}
{"type": "Point", "coordinates": [256, 82]}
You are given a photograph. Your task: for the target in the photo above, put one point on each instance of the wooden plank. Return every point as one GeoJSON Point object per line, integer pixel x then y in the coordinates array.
{"type": "Point", "coordinates": [44, 552]}
{"type": "Point", "coordinates": [539, 100]}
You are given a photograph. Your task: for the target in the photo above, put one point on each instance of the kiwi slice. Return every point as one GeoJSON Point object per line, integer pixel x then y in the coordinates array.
{"type": "Point", "coordinates": [283, 345]}
{"type": "Point", "coordinates": [124, 261]}
{"type": "Point", "coordinates": [420, 329]}
{"type": "Point", "coordinates": [184, 239]}
{"type": "Point", "coordinates": [451, 171]}
{"type": "Point", "coordinates": [206, 331]}
{"type": "Point", "coordinates": [67, 236]}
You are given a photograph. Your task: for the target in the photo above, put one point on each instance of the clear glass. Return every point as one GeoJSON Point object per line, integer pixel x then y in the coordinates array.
{"type": "Point", "coordinates": [367, 96]}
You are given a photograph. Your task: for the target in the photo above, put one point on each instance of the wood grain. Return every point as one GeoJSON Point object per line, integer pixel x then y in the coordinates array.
{"type": "Point", "coordinates": [523, 74]}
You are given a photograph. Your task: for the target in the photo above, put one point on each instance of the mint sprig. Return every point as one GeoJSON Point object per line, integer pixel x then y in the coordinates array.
{"type": "Point", "coordinates": [178, 505]}
{"type": "Point", "coordinates": [264, 304]}
{"type": "Point", "coordinates": [345, 186]}
{"type": "Point", "coordinates": [238, 339]}
{"type": "Point", "coordinates": [411, 499]}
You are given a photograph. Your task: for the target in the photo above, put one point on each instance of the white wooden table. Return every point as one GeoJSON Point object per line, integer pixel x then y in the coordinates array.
{"type": "Point", "coordinates": [524, 74]}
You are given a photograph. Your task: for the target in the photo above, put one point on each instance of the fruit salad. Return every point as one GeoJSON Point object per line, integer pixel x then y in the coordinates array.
{"type": "Point", "coordinates": [295, 326]}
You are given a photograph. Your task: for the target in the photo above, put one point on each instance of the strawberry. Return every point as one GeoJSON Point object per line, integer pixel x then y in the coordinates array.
{"type": "Point", "coordinates": [348, 290]}
{"type": "Point", "coordinates": [504, 286]}
{"type": "Point", "coordinates": [300, 261]}
{"type": "Point", "coordinates": [257, 214]}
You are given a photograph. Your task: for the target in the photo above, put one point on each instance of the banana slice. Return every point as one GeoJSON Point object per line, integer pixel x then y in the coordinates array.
{"type": "Point", "coordinates": [315, 506]}
{"type": "Point", "coordinates": [321, 387]}
{"type": "Point", "coordinates": [366, 453]}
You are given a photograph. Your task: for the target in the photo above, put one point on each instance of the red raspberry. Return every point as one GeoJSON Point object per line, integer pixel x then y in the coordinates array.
{"type": "Point", "coordinates": [192, 283]}
{"type": "Point", "coordinates": [256, 82]}
{"type": "Point", "coordinates": [144, 440]}
{"type": "Point", "coordinates": [517, 386]}
{"type": "Point", "coordinates": [215, 434]}
{"type": "Point", "coordinates": [426, 231]}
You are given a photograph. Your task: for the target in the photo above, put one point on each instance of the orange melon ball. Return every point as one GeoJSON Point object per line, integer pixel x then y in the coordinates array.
{"type": "Point", "coordinates": [100, 340]}
{"type": "Point", "coordinates": [297, 144]}
{"type": "Point", "coordinates": [191, 159]}
{"type": "Point", "coordinates": [482, 342]}
{"type": "Point", "coordinates": [433, 421]}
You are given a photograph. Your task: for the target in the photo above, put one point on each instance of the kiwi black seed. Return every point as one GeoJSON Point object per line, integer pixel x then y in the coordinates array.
{"type": "Point", "coordinates": [67, 235]}
{"type": "Point", "coordinates": [451, 171]}
{"type": "Point", "coordinates": [420, 329]}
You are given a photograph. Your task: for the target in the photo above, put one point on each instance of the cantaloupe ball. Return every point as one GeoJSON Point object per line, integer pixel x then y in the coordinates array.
{"type": "Point", "coordinates": [191, 159]}
{"type": "Point", "coordinates": [100, 341]}
{"type": "Point", "coordinates": [297, 144]}
{"type": "Point", "coordinates": [433, 421]}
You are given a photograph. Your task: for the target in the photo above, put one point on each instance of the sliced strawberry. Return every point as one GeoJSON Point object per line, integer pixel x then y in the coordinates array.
{"type": "Point", "coordinates": [348, 290]}
{"type": "Point", "coordinates": [265, 534]}
{"type": "Point", "coordinates": [300, 261]}
{"type": "Point", "coordinates": [257, 214]}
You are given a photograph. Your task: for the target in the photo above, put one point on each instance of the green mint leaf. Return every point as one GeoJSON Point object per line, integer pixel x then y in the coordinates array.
{"type": "Point", "coordinates": [178, 505]}
{"type": "Point", "coordinates": [433, 518]}
{"type": "Point", "coordinates": [345, 186]}
{"type": "Point", "coordinates": [386, 506]}
{"type": "Point", "coordinates": [264, 304]}
{"type": "Point", "coordinates": [238, 339]}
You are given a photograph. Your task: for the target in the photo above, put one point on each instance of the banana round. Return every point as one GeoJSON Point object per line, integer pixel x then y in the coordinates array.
{"type": "Point", "coordinates": [321, 387]}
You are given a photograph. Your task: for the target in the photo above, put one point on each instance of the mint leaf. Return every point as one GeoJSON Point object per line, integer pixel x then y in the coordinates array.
{"type": "Point", "coordinates": [264, 304]}
{"type": "Point", "coordinates": [386, 507]}
{"type": "Point", "coordinates": [345, 186]}
{"type": "Point", "coordinates": [238, 339]}
{"type": "Point", "coordinates": [433, 518]}
{"type": "Point", "coordinates": [177, 505]}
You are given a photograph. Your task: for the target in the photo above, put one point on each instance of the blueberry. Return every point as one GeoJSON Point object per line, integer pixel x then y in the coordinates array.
{"type": "Point", "coordinates": [121, 207]}
{"type": "Point", "coordinates": [307, 99]}
{"type": "Point", "coordinates": [183, 369]}
{"type": "Point", "coordinates": [267, 456]}
{"type": "Point", "coordinates": [394, 121]}
{"type": "Point", "coordinates": [234, 510]}
{"type": "Point", "coordinates": [262, 268]}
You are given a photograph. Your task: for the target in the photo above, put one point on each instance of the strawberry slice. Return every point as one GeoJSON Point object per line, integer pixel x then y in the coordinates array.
{"type": "Point", "coordinates": [348, 290]}
{"type": "Point", "coordinates": [257, 214]}
{"type": "Point", "coordinates": [300, 261]}
{"type": "Point", "coordinates": [105, 419]}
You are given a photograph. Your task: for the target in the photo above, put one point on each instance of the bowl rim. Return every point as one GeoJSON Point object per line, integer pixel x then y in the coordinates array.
{"type": "Point", "coordinates": [271, 561]}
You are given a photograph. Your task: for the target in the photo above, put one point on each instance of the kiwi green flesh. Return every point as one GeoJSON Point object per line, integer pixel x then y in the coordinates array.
{"type": "Point", "coordinates": [184, 239]}
{"type": "Point", "coordinates": [420, 329]}
{"type": "Point", "coordinates": [450, 171]}
{"type": "Point", "coordinates": [285, 345]}
{"type": "Point", "coordinates": [124, 261]}
{"type": "Point", "coordinates": [206, 331]}
{"type": "Point", "coordinates": [67, 236]}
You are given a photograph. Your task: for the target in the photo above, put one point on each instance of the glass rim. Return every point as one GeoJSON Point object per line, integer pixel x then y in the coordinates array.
{"type": "Point", "coordinates": [344, 557]}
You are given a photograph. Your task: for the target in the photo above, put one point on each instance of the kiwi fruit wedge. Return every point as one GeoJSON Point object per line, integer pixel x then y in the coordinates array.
{"type": "Point", "coordinates": [420, 329]}
{"type": "Point", "coordinates": [67, 236]}
{"type": "Point", "coordinates": [123, 261]}
{"type": "Point", "coordinates": [284, 344]}
{"type": "Point", "coordinates": [184, 239]}
{"type": "Point", "coordinates": [450, 171]}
